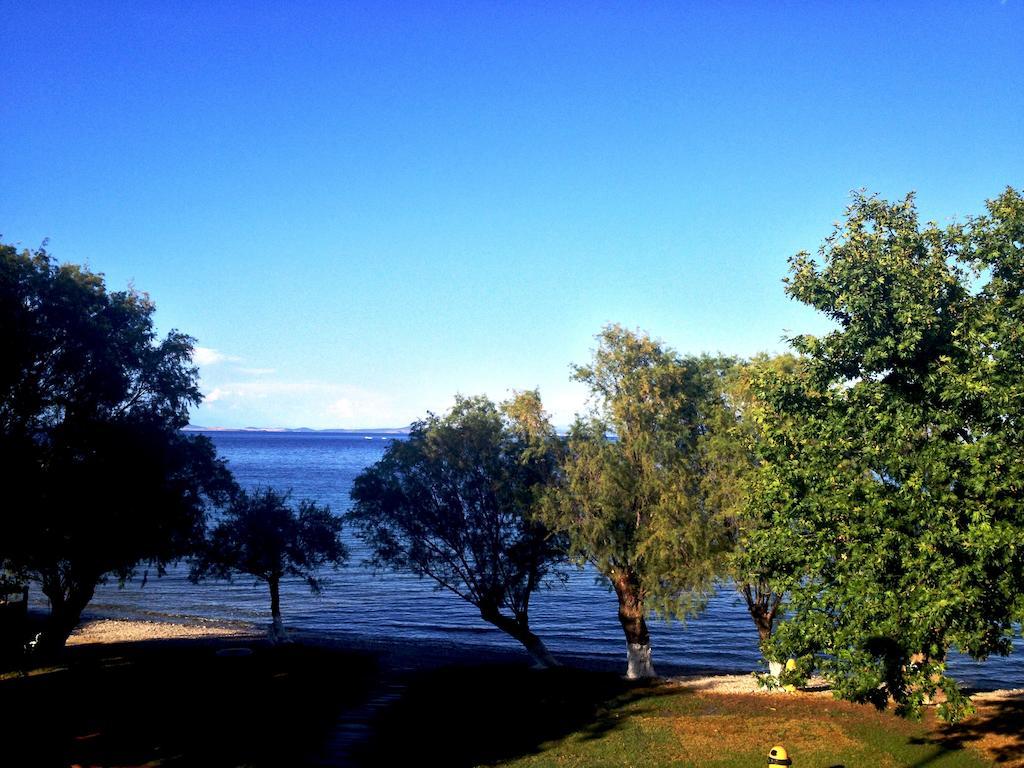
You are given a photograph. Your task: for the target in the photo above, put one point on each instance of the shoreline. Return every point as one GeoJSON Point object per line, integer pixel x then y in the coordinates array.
{"type": "Point", "coordinates": [98, 630]}
{"type": "Point", "coordinates": [406, 654]}
{"type": "Point", "coordinates": [104, 631]}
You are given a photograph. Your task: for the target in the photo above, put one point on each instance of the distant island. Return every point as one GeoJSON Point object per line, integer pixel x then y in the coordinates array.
{"type": "Point", "coordinates": [382, 431]}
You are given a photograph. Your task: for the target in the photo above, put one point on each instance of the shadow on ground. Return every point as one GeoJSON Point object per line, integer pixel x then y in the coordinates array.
{"type": "Point", "coordinates": [178, 703]}
{"type": "Point", "coordinates": [489, 713]}
{"type": "Point", "coordinates": [998, 727]}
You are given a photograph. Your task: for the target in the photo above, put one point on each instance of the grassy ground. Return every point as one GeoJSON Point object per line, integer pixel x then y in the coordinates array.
{"type": "Point", "coordinates": [508, 717]}
{"type": "Point", "coordinates": [178, 703]}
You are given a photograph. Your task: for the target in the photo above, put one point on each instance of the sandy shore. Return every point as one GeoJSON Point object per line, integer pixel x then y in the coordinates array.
{"type": "Point", "coordinates": [132, 630]}
{"type": "Point", "coordinates": [741, 684]}
{"type": "Point", "coordinates": [815, 687]}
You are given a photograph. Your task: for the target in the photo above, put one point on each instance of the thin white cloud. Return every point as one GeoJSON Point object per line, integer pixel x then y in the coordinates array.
{"type": "Point", "coordinates": [257, 371]}
{"type": "Point", "coordinates": [214, 396]}
{"type": "Point", "coordinates": [305, 403]}
{"type": "Point", "coordinates": [209, 356]}
{"type": "Point", "coordinates": [342, 408]}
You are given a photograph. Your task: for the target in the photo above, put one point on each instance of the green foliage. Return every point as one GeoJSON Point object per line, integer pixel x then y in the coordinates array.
{"type": "Point", "coordinates": [455, 503]}
{"type": "Point", "coordinates": [630, 500]}
{"type": "Point", "coordinates": [263, 535]}
{"type": "Point", "coordinates": [896, 456]}
{"type": "Point", "coordinates": [761, 564]}
{"type": "Point", "coordinates": [97, 473]}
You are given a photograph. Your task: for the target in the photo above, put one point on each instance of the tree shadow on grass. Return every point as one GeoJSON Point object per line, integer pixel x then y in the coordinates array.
{"type": "Point", "coordinates": [178, 703]}
{"type": "Point", "coordinates": [997, 728]}
{"type": "Point", "coordinates": [489, 713]}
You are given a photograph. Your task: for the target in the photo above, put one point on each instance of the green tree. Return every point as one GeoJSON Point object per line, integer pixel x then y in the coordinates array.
{"type": "Point", "coordinates": [762, 564]}
{"type": "Point", "coordinates": [98, 476]}
{"type": "Point", "coordinates": [902, 455]}
{"type": "Point", "coordinates": [455, 503]}
{"type": "Point", "coordinates": [262, 535]}
{"type": "Point", "coordinates": [630, 501]}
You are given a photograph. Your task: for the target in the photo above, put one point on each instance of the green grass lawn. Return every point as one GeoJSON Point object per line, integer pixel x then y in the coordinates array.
{"type": "Point", "coordinates": [682, 729]}
{"type": "Point", "coordinates": [498, 716]}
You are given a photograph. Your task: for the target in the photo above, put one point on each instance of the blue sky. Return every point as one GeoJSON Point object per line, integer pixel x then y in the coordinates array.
{"type": "Point", "coordinates": [360, 209]}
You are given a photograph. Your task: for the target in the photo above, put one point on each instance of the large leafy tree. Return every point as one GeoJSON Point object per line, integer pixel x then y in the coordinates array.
{"type": "Point", "coordinates": [97, 475]}
{"type": "Point", "coordinates": [902, 454]}
{"type": "Point", "coordinates": [630, 501]}
{"type": "Point", "coordinates": [455, 503]}
{"type": "Point", "coordinates": [263, 535]}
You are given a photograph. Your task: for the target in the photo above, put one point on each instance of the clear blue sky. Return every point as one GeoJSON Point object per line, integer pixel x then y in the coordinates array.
{"type": "Point", "coordinates": [361, 209]}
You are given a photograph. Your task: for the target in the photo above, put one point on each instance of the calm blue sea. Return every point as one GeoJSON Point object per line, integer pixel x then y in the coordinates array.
{"type": "Point", "coordinates": [577, 619]}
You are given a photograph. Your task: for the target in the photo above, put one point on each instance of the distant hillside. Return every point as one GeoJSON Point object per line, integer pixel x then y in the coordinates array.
{"type": "Point", "coordinates": [383, 431]}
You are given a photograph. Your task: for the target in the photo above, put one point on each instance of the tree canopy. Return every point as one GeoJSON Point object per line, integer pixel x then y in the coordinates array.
{"type": "Point", "coordinates": [99, 478]}
{"type": "Point", "coordinates": [630, 501]}
{"type": "Point", "coordinates": [899, 467]}
{"type": "Point", "coordinates": [762, 563]}
{"type": "Point", "coordinates": [455, 503]}
{"type": "Point", "coordinates": [261, 534]}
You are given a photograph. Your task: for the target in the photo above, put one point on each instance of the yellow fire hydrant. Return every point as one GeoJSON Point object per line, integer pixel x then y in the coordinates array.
{"type": "Point", "coordinates": [779, 756]}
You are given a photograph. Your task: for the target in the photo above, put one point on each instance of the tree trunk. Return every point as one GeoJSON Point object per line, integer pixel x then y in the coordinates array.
{"type": "Point", "coordinates": [763, 621]}
{"type": "Point", "coordinates": [634, 624]}
{"type": "Point", "coordinates": [762, 606]}
{"type": "Point", "coordinates": [65, 611]}
{"type": "Point", "coordinates": [276, 632]}
{"type": "Point", "coordinates": [520, 630]}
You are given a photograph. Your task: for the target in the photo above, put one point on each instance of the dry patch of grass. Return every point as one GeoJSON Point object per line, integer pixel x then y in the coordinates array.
{"type": "Point", "coordinates": [996, 730]}
{"type": "Point", "coordinates": [566, 718]}
{"type": "Point", "coordinates": [711, 733]}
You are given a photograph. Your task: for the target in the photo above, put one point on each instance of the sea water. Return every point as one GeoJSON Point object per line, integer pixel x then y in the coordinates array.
{"type": "Point", "coordinates": [576, 619]}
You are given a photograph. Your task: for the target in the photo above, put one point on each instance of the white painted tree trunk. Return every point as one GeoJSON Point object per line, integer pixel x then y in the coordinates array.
{"type": "Point", "coordinates": [542, 658]}
{"type": "Point", "coordinates": [638, 661]}
{"type": "Point", "coordinates": [775, 668]}
{"type": "Point", "coordinates": [276, 632]}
